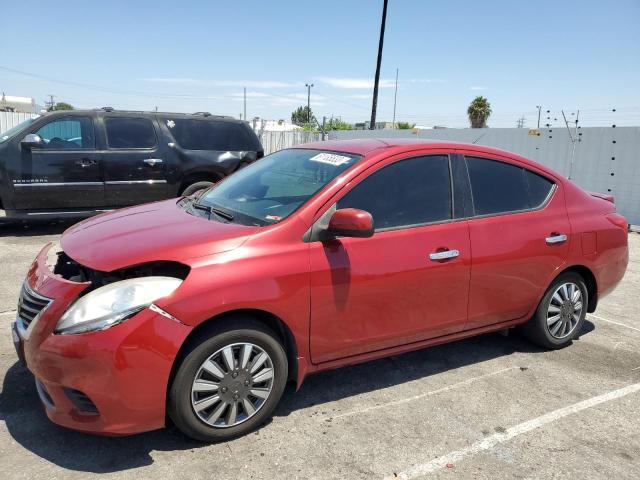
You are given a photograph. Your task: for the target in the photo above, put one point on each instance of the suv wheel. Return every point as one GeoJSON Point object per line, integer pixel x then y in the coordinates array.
{"type": "Point", "coordinates": [229, 384]}
{"type": "Point", "coordinates": [560, 314]}
{"type": "Point", "coordinates": [196, 187]}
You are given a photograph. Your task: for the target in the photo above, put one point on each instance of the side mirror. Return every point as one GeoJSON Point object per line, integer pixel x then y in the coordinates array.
{"type": "Point", "coordinates": [31, 140]}
{"type": "Point", "coordinates": [351, 222]}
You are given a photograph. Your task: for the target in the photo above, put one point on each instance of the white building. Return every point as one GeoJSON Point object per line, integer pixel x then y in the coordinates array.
{"type": "Point", "coordinates": [9, 103]}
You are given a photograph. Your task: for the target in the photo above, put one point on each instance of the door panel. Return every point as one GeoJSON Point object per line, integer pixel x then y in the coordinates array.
{"type": "Point", "coordinates": [512, 261]}
{"type": "Point", "coordinates": [135, 169]}
{"type": "Point", "coordinates": [373, 293]}
{"type": "Point", "coordinates": [65, 172]}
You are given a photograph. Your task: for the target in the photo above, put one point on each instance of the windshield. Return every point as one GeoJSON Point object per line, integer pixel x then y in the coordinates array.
{"type": "Point", "coordinates": [4, 136]}
{"type": "Point", "coordinates": [272, 188]}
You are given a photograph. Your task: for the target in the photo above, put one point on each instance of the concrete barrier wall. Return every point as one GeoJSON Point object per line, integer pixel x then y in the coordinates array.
{"type": "Point", "coordinates": [607, 159]}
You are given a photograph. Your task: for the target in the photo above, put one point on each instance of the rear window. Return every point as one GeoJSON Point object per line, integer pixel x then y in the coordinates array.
{"type": "Point", "coordinates": [130, 133]}
{"type": "Point", "coordinates": [209, 135]}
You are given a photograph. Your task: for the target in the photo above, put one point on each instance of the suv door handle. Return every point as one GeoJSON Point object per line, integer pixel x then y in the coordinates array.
{"type": "Point", "coordinates": [86, 162]}
{"type": "Point", "coordinates": [444, 255]}
{"type": "Point", "coordinates": [556, 238]}
{"type": "Point", "coordinates": [152, 161]}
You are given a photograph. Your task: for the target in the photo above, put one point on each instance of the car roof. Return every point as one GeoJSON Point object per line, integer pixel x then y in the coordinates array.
{"type": "Point", "coordinates": [371, 146]}
{"type": "Point", "coordinates": [110, 111]}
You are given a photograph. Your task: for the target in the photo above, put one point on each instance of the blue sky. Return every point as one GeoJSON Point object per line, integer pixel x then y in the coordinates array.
{"type": "Point", "coordinates": [198, 55]}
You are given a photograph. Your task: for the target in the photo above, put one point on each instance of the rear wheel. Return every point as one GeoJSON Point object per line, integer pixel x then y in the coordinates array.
{"type": "Point", "coordinates": [229, 383]}
{"type": "Point", "coordinates": [560, 314]}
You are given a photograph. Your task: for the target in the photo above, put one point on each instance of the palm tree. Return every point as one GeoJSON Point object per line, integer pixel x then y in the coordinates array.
{"type": "Point", "coordinates": [479, 111]}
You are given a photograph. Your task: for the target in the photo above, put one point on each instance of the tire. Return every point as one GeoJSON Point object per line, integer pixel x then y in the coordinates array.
{"type": "Point", "coordinates": [184, 397]}
{"type": "Point", "coordinates": [195, 187]}
{"type": "Point", "coordinates": [544, 329]}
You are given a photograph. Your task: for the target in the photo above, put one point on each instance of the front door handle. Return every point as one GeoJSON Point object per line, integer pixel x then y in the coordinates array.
{"type": "Point", "coordinates": [152, 161]}
{"type": "Point", "coordinates": [556, 238]}
{"type": "Point", "coordinates": [444, 255]}
{"type": "Point", "coordinates": [86, 162]}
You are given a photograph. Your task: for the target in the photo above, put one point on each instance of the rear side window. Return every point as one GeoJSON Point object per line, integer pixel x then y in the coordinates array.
{"type": "Point", "coordinates": [499, 187]}
{"type": "Point", "coordinates": [539, 188]}
{"type": "Point", "coordinates": [130, 133]}
{"type": "Point", "coordinates": [209, 135]}
{"type": "Point", "coordinates": [406, 193]}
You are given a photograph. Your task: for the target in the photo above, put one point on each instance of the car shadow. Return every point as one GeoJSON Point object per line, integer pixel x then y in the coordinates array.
{"type": "Point", "coordinates": [28, 425]}
{"type": "Point", "coordinates": [12, 228]}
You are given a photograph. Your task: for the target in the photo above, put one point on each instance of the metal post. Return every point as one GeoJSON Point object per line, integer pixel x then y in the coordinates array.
{"type": "Point", "coordinates": [539, 109]}
{"type": "Point", "coordinates": [308, 85]}
{"type": "Point", "coordinates": [395, 97]}
{"type": "Point", "coordinates": [376, 82]}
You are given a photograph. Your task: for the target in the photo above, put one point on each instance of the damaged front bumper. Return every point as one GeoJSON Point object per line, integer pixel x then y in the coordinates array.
{"type": "Point", "coordinates": [110, 382]}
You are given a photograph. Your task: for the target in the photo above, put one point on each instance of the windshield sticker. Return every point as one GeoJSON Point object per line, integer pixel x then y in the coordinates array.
{"type": "Point", "coordinates": [274, 218]}
{"type": "Point", "coordinates": [330, 159]}
{"type": "Point", "coordinates": [171, 123]}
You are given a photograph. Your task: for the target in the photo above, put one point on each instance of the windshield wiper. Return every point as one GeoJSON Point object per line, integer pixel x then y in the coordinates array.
{"type": "Point", "coordinates": [209, 209]}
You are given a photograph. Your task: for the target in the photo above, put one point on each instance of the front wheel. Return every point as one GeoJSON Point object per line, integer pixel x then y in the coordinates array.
{"type": "Point", "coordinates": [196, 187]}
{"type": "Point", "coordinates": [228, 384]}
{"type": "Point", "coordinates": [560, 314]}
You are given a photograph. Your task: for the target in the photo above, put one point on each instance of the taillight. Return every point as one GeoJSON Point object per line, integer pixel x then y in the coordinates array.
{"type": "Point", "coordinates": [618, 220]}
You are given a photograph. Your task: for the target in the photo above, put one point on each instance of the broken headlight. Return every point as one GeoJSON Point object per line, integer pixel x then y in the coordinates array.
{"type": "Point", "coordinates": [114, 303]}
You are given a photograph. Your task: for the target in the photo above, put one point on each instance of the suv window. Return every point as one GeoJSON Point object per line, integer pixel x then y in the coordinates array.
{"type": "Point", "coordinates": [499, 187]}
{"type": "Point", "coordinates": [406, 193]}
{"type": "Point", "coordinates": [208, 134]}
{"type": "Point", "coordinates": [68, 134]}
{"type": "Point", "coordinates": [130, 133]}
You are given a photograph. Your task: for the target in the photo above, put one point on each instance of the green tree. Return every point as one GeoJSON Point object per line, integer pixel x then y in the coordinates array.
{"type": "Point", "coordinates": [337, 124]}
{"type": "Point", "coordinates": [405, 125]}
{"type": "Point", "coordinates": [302, 115]}
{"type": "Point", "coordinates": [479, 111]}
{"type": "Point", "coordinates": [63, 106]}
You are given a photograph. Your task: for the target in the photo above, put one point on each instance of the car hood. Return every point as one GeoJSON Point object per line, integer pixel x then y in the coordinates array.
{"type": "Point", "coordinates": [146, 233]}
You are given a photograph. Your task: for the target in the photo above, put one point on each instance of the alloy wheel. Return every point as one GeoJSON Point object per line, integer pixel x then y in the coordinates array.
{"type": "Point", "coordinates": [565, 310]}
{"type": "Point", "coordinates": [232, 385]}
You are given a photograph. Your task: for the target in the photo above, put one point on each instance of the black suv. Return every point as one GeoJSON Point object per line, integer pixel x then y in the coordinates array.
{"type": "Point", "coordinates": [76, 163]}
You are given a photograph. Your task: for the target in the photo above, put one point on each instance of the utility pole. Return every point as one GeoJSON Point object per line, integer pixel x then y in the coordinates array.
{"type": "Point", "coordinates": [308, 85]}
{"type": "Point", "coordinates": [395, 97]}
{"type": "Point", "coordinates": [376, 82]}
{"type": "Point", "coordinates": [245, 103]}
{"type": "Point", "coordinates": [49, 104]}
{"type": "Point", "coordinates": [574, 138]}
{"type": "Point", "coordinates": [539, 107]}
{"type": "Point", "coordinates": [520, 122]}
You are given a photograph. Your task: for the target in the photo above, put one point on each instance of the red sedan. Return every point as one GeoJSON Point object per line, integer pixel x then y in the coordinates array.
{"type": "Point", "coordinates": [201, 309]}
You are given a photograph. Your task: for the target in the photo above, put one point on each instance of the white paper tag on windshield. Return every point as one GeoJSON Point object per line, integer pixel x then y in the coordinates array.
{"type": "Point", "coordinates": [331, 159]}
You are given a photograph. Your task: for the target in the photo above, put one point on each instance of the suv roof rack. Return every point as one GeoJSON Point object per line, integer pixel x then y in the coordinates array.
{"type": "Point", "coordinates": [204, 114]}
{"type": "Point", "coordinates": [107, 109]}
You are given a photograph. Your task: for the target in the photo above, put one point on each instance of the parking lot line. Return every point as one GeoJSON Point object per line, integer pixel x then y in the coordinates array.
{"type": "Point", "coordinates": [422, 395]}
{"type": "Point", "coordinates": [512, 432]}
{"type": "Point", "coordinates": [615, 323]}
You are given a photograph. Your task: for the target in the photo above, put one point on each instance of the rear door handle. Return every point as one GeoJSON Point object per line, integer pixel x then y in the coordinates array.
{"type": "Point", "coordinates": [556, 238]}
{"type": "Point", "coordinates": [152, 161]}
{"type": "Point", "coordinates": [444, 255]}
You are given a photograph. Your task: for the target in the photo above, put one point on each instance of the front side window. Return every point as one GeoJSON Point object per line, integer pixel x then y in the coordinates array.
{"type": "Point", "coordinates": [407, 193]}
{"type": "Point", "coordinates": [499, 187]}
{"type": "Point", "coordinates": [271, 189]}
{"type": "Point", "coordinates": [69, 133]}
{"type": "Point", "coordinates": [193, 134]}
{"type": "Point", "coordinates": [130, 133]}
